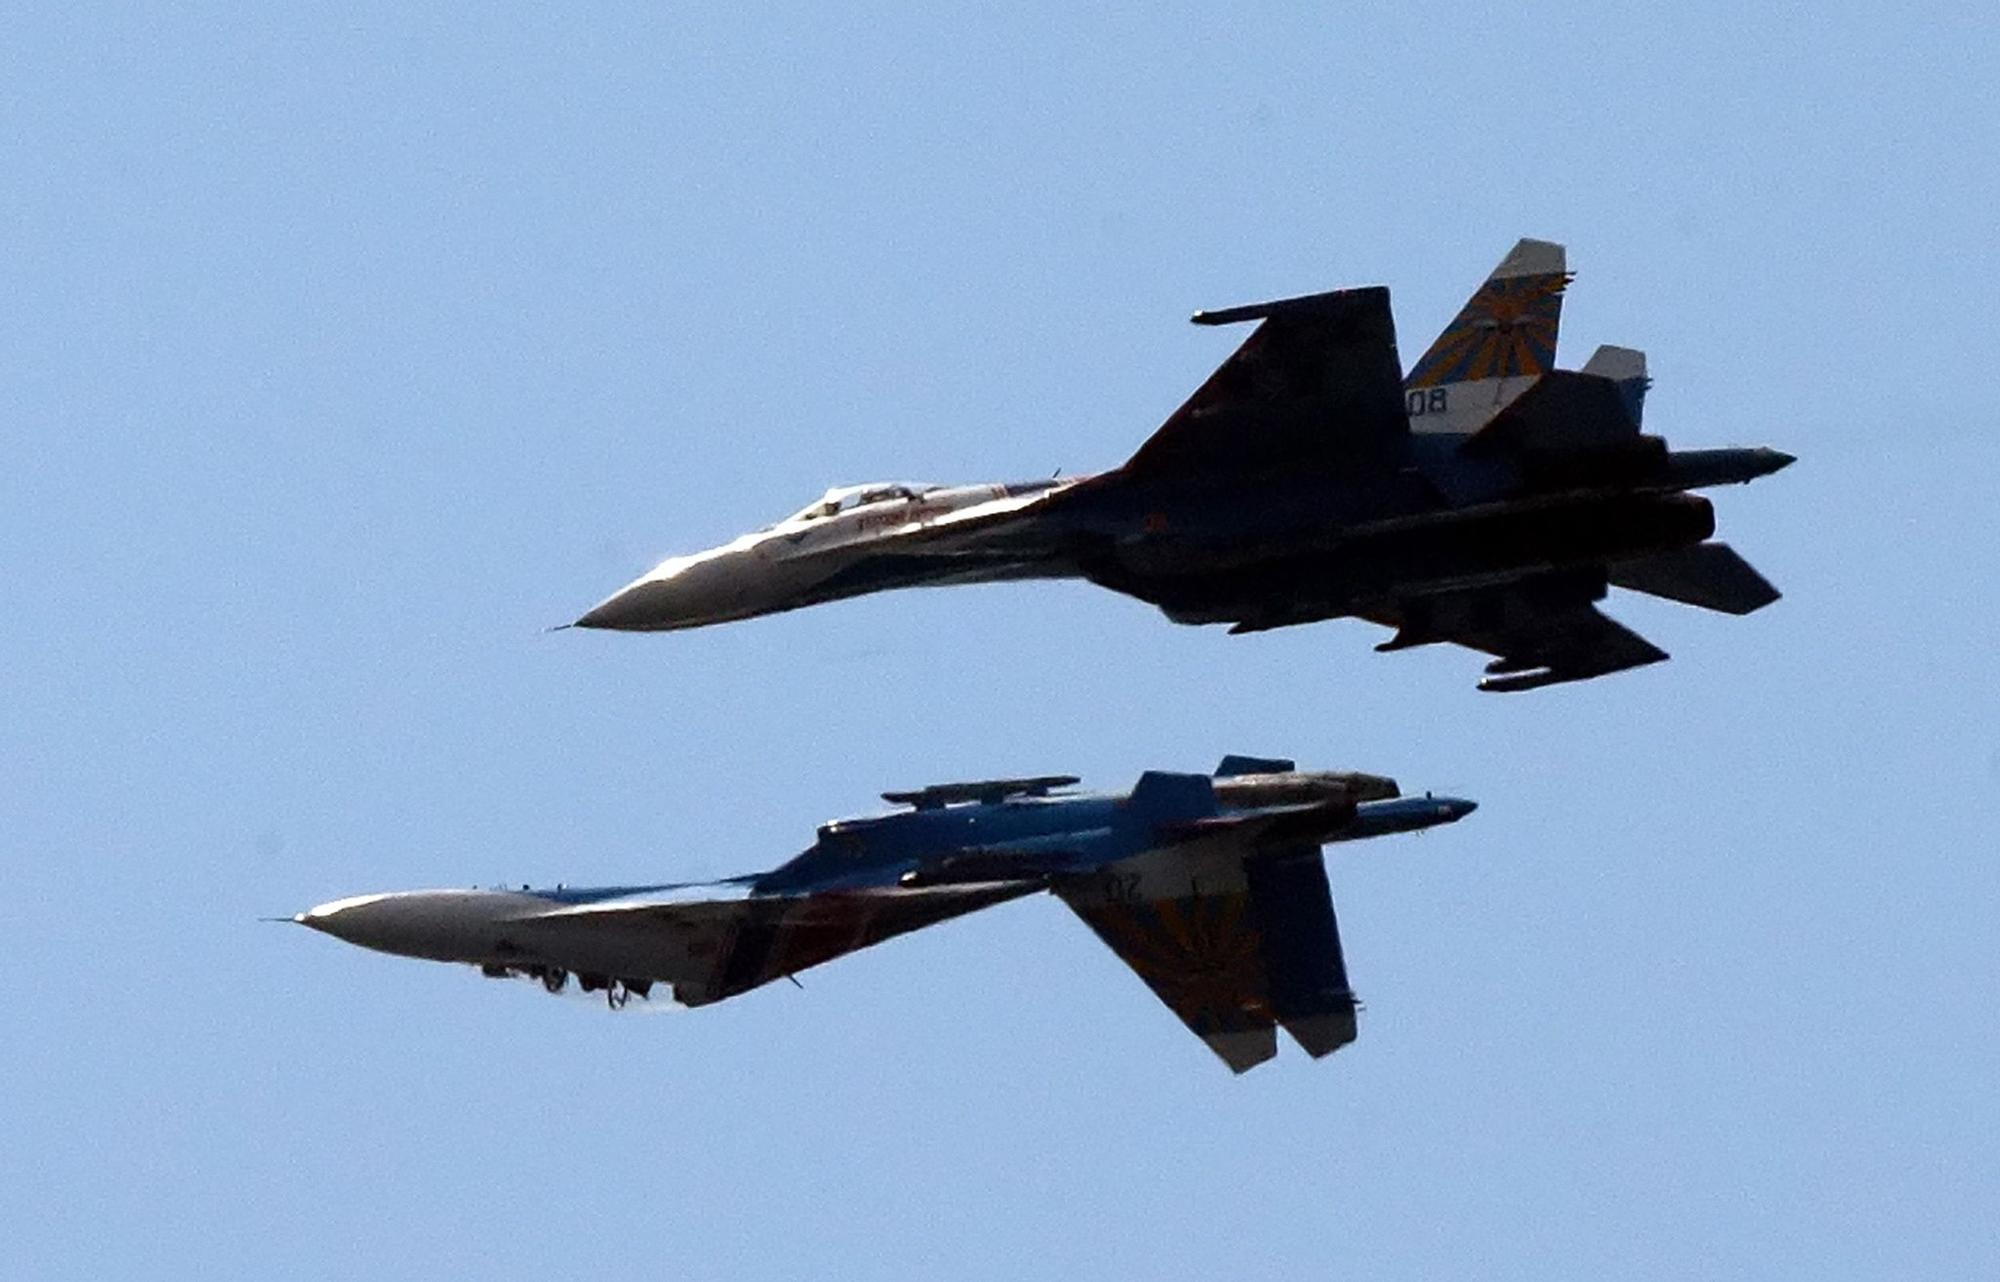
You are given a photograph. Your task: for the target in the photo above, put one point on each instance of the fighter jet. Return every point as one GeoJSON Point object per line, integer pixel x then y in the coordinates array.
{"type": "Point", "coordinates": [1488, 499]}
{"type": "Point", "coordinates": [1211, 888]}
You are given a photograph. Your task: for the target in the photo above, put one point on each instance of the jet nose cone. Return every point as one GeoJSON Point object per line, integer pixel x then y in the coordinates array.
{"type": "Point", "coordinates": [445, 925]}
{"type": "Point", "coordinates": [344, 919]}
{"type": "Point", "coordinates": [1453, 809]}
{"type": "Point", "coordinates": [681, 592]}
{"type": "Point", "coordinates": [645, 605]}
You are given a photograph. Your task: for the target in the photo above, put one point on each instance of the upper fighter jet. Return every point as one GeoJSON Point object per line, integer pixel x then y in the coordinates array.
{"type": "Point", "coordinates": [1212, 889]}
{"type": "Point", "coordinates": [1486, 499]}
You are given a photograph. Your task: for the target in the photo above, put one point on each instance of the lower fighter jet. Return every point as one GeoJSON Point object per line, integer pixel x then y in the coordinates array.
{"type": "Point", "coordinates": [1488, 499]}
{"type": "Point", "coordinates": [1211, 888]}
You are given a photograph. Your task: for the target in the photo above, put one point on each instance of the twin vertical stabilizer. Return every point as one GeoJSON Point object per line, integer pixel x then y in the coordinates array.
{"type": "Point", "coordinates": [1494, 349]}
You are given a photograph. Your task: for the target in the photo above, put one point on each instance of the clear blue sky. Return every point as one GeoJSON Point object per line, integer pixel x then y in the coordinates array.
{"type": "Point", "coordinates": [347, 347]}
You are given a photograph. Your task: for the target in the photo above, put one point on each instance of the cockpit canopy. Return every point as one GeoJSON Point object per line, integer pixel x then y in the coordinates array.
{"type": "Point", "coordinates": [846, 498]}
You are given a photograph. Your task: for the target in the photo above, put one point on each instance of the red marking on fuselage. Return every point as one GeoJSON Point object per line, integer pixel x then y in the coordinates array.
{"type": "Point", "coordinates": [902, 516]}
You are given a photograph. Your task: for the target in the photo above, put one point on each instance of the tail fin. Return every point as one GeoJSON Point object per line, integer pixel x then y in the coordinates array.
{"type": "Point", "coordinates": [1499, 343]}
{"type": "Point", "coordinates": [1163, 795]}
{"type": "Point", "coordinates": [1625, 366]}
{"type": "Point", "coordinates": [1235, 946]}
{"type": "Point", "coordinates": [1309, 990]}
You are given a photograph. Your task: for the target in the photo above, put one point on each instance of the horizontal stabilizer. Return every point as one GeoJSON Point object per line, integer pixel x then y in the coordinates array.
{"type": "Point", "coordinates": [1710, 575]}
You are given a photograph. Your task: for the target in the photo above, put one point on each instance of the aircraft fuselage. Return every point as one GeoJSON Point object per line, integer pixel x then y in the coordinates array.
{"type": "Point", "coordinates": [1293, 548]}
{"type": "Point", "coordinates": [623, 939]}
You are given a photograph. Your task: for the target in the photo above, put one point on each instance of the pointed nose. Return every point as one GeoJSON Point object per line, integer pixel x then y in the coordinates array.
{"type": "Point", "coordinates": [643, 606]}
{"type": "Point", "coordinates": [346, 919]}
{"type": "Point", "coordinates": [681, 592]}
{"type": "Point", "coordinates": [1453, 809]}
{"type": "Point", "coordinates": [444, 925]}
